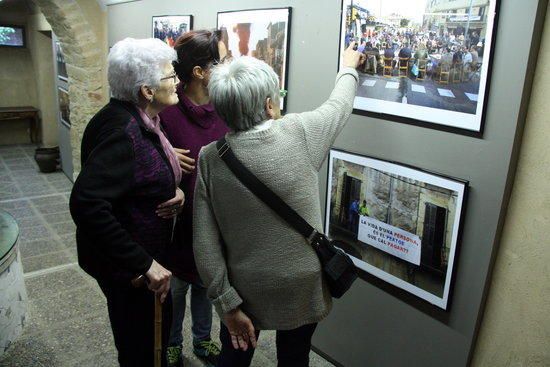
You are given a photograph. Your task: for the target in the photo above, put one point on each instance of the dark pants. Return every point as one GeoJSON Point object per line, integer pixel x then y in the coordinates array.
{"type": "Point", "coordinates": [292, 348]}
{"type": "Point", "coordinates": [132, 315]}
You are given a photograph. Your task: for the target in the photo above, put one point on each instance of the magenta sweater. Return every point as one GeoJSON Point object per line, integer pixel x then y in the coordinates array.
{"type": "Point", "coordinates": [188, 126]}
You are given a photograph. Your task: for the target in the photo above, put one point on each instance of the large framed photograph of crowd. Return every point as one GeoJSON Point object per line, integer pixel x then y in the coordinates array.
{"type": "Point", "coordinates": [260, 33]}
{"type": "Point", "coordinates": [398, 223]}
{"type": "Point", "coordinates": [168, 28]}
{"type": "Point", "coordinates": [428, 62]}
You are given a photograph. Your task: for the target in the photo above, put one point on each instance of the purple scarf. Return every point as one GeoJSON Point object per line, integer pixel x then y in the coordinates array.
{"type": "Point", "coordinates": [153, 124]}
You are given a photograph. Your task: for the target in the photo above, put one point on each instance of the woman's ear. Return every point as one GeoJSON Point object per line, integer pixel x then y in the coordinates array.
{"type": "Point", "coordinates": [198, 72]}
{"type": "Point", "coordinates": [269, 110]}
{"type": "Point", "coordinates": [147, 92]}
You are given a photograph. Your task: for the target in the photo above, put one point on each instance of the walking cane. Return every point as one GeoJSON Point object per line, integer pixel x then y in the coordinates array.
{"type": "Point", "coordinates": [137, 283]}
{"type": "Point", "coordinates": [158, 331]}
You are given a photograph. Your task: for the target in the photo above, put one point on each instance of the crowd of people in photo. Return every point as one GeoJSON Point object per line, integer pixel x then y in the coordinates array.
{"type": "Point", "coordinates": [168, 33]}
{"type": "Point", "coordinates": [419, 54]}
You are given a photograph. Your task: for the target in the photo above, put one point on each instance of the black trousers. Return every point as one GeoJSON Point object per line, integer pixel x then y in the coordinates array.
{"type": "Point", "coordinates": [292, 348]}
{"type": "Point", "coordinates": [132, 315]}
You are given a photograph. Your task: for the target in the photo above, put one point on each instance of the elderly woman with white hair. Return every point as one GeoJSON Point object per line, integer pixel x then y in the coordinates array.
{"type": "Point", "coordinates": [126, 195]}
{"type": "Point", "coordinates": [261, 274]}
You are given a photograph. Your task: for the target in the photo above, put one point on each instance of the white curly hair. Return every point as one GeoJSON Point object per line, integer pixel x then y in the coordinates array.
{"type": "Point", "coordinates": [137, 62]}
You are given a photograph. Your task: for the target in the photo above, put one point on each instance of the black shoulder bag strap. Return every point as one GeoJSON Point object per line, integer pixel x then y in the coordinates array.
{"type": "Point", "coordinates": [337, 267]}
{"type": "Point", "coordinates": [263, 192]}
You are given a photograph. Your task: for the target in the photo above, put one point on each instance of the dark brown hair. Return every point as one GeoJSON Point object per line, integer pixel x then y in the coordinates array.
{"type": "Point", "coordinates": [195, 48]}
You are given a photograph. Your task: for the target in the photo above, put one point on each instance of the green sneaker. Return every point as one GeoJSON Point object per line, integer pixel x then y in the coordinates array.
{"type": "Point", "coordinates": [174, 357]}
{"type": "Point", "coordinates": [207, 350]}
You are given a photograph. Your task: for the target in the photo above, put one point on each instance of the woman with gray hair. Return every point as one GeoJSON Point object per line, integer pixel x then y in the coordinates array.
{"type": "Point", "coordinates": [126, 195]}
{"type": "Point", "coordinates": [261, 274]}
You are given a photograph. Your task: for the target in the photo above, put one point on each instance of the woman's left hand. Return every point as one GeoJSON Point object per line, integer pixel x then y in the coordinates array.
{"type": "Point", "coordinates": [171, 208]}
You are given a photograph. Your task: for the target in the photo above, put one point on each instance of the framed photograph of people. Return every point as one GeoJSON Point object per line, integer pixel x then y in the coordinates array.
{"type": "Point", "coordinates": [399, 224]}
{"type": "Point", "coordinates": [60, 62]}
{"type": "Point", "coordinates": [64, 106]}
{"type": "Point", "coordinates": [428, 62]}
{"type": "Point", "coordinates": [169, 27]}
{"type": "Point", "coordinates": [261, 33]}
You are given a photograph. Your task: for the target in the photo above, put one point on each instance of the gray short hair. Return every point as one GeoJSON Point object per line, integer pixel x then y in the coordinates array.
{"type": "Point", "coordinates": [136, 62]}
{"type": "Point", "coordinates": [238, 90]}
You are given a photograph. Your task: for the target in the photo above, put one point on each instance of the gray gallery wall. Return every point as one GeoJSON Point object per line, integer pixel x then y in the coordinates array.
{"type": "Point", "coordinates": [372, 326]}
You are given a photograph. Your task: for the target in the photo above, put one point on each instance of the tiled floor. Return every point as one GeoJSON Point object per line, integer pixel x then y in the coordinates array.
{"type": "Point", "coordinates": [67, 321]}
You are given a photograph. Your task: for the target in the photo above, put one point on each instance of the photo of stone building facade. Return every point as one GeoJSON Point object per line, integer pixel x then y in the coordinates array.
{"type": "Point", "coordinates": [402, 202]}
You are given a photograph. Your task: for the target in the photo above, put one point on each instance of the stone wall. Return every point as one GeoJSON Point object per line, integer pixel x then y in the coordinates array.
{"type": "Point", "coordinates": [80, 27]}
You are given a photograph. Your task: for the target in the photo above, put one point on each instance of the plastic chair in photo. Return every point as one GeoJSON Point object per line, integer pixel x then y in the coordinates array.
{"type": "Point", "coordinates": [458, 70]}
{"type": "Point", "coordinates": [421, 69]}
{"type": "Point", "coordinates": [444, 73]}
{"type": "Point", "coordinates": [388, 67]}
{"type": "Point", "coordinates": [403, 71]}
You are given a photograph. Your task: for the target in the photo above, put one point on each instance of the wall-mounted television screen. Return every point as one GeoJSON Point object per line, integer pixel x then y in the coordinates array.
{"type": "Point", "coordinates": [12, 36]}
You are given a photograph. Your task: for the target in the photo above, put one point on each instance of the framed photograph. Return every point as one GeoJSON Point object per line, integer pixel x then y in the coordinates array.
{"type": "Point", "coordinates": [428, 62]}
{"type": "Point", "coordinates": [12, 36]}
{"type": "Point", "coordinates": [64, 106]}
{"type": "Point", "coordinates": [399, 224]}
{"type": "Point", "coordinates": [263, 34]}
{"type": "Point", "coordinates": [60, 62]}
{"type": "Point", "coordinates": [169, 27]}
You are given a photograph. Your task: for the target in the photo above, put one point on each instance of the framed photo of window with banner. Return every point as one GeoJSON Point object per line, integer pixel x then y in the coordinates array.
{"type": "Point", "coordinates": [400, 224]}
{"type": "Point", "coordinates": [428, 62]}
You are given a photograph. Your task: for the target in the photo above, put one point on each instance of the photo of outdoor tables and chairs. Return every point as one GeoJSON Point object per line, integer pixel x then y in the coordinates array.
{"type": "Point", "coordinates": [420, 52]}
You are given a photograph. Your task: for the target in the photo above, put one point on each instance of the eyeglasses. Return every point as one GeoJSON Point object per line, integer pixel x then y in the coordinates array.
{"type": "Point", "coordinates": [217, 62]}
{"type": "Point", "coordinates": [174, 77]}
{"type": "Point", "coordinates": [283, 93]}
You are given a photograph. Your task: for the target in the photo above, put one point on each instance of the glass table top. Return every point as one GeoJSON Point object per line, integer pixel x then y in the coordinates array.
{"type": "Point", "coordinates": [9, 231]}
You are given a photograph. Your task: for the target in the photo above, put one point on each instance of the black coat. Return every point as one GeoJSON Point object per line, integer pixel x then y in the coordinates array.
{"type": "Point", "coordinates": [125, 175]}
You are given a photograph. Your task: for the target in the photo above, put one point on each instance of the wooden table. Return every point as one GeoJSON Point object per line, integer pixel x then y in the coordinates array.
{"type": "Point", "coordinates": [22, 113]}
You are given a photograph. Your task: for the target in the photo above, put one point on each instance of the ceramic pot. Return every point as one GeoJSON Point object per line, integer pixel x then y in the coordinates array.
{"type": "Point", "coordinates": [47, 159]}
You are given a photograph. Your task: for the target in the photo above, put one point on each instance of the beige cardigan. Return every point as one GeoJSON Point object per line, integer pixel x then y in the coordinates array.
{"type": "Point", "coordinates": [246, 255]}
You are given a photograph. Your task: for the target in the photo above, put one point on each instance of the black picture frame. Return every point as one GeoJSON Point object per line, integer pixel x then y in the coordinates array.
{"type": "Point", "coordinates": [170, 39]}
{"type": "Point", "coordinates": [429, 260]}
{"type": "Point", "coordinates": [424, 116]}
{"type": "Point", "coordinates": [61, 66]}
{"type": "Point", "coordinates": [19, 39]}
{"type": "Point", "coordinates": [283, 75]}
{"type": "Point", "coordinates": [63, 101]}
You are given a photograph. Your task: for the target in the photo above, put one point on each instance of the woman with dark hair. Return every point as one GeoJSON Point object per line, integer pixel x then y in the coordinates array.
{"type": "Point", "coordinates": [190, 125]}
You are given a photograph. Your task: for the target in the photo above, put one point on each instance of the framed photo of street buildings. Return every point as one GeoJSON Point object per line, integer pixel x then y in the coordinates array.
{"type": "Point", "coordinates": [260, 33]}
{"type": "Point", "coordinates": [399, 224]}
{"type": "Point", "coordinates": [428, 61]}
